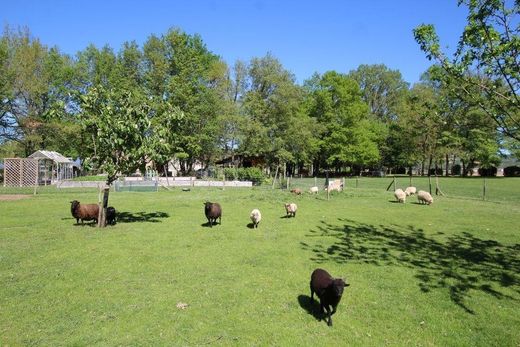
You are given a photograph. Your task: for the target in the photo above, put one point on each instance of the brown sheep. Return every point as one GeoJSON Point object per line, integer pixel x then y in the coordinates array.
{"type": "Point", "coordinates": [84, 212]}
{"type": "Point", "coordinates": [212, 210]}
{"type": "Point", "coordinates": [296, 191]}
{"type": "Point", "coordinates": [329, 290]}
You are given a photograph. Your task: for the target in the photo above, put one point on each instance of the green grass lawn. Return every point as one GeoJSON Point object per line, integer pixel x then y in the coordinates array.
{"type": "Point", "coordinates": [441, 275]}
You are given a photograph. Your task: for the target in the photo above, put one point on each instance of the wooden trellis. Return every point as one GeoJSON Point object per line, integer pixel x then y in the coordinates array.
{"type": "Point", "coordinates": [20, 172]}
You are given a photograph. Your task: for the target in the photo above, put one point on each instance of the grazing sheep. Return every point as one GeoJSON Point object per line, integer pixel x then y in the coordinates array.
{"type": "Point", "coordinates": [335, 185]}
{"type": "Point", "coordinates": [84, 212]}
{"type": "Point", "coordinates": [314, 190]}
{"type": "Point", "coordinates": [400, 195]}
{"type": "Point", "coordinates": [296, 191]}
{"type": "Point", "coordinates": [424, 197]}
{"type": "Point", "coordinates": [329, 290]}
{"type": "Point", "coordinates": [212, 210]}
{"type": "Point", "coordinates": [290, 209]}
{"type": "Point", "coordinates": [410, 191]}
{"type": "Point", "coordinates": [111, 216]}
{"type": "Point", "coordinates": [256, 217]}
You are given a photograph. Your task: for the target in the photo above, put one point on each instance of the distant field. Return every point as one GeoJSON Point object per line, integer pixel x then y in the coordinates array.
{"type": "Point", "coordinates": [441, 275]}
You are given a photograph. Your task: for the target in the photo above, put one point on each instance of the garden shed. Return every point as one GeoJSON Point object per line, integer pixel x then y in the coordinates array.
{"type": "Point", "coordinates": [40, 168]}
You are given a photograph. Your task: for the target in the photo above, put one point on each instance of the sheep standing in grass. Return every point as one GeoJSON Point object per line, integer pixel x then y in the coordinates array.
{"type": "Point", "coordinates": [424, 197]}
{"type": "Point", "coordinates": [314, 190]}
{"type": "Point", "coordinates": [256, 217]}
{"type": "Point", "coordinates": [329, 290]}
{"type": "Point", "coordinates": [290, 209]}
{"type": "Point", "coordinates": [410, 191]}
{"type": "Point", "coordinates": [111, 215]}
{"type": "Point", "coordinates": [296, 191]}
{"type": "Point", "coordinates": [400, 195]}
{"type": "Point", "coordinates": [84, 212]}
{"type": "Point", "coordinates": [213, 211]}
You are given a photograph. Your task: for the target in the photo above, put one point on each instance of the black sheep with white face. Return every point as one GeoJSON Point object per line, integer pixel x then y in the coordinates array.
{"type": "Point", "coordinates": [329, 290]}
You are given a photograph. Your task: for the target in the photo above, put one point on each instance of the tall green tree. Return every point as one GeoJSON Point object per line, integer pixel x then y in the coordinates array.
{"type": "Point", "coordinates": [485, 69]}
{"type": "Point", "coordinates": [349, 134]}
{"type": "Point", "coordinates": [275, 127]}
{"type": "Point", "coordinates": [36, 83]}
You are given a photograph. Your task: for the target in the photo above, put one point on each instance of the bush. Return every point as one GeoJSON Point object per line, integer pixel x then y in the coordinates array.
{"type": "Point", "coordinates": [252, 174]}
{"type": "Point", "coordinates": [512, 171]}
{"type": "Point", "coordinates": [456, 170]}
{"type": "Point", "coordinates": [487, 172]}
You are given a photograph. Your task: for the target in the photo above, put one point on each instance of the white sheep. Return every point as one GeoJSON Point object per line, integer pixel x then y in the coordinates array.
{"type": "Point", "coordinates": [400, 195]}
{"type": "Point", "coordinates": [290, 209]}
{"type": "Point", "coordinates": [410, 191]}
{"type": "Point", "coordinates": [314, 190]}
{"type": "Point", "coordinates": [256, 217]}
{"type": "Point", "coordinates": [424, 197]}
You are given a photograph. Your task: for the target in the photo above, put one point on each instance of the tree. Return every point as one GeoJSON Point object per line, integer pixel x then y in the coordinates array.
{"type": "Point", "coordinates": [118, 122]}
{"type": "Point", "coordinates": [275, 126]}
{"type": "Point", "coordinates": [349, 135]}
{"type": "Point", "coordinates": [383, 89]}
{"type": "Point", "coordinates": [35, 86]}
{"type": "Point", "coordinates": [485, 69]}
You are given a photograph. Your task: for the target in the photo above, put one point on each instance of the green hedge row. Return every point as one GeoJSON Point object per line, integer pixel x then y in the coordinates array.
{"type": "Point", "coordinates": [253, 174]}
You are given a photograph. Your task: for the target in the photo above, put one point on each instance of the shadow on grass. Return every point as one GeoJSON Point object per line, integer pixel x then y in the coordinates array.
{"type": "Point", "coordinates": [311, 306]}
{"type": "Point", "coordinates": [206, 225]}
{"type": "Point", "coordinates": [251, 225]}
{"type": "Point", "coordinates": [461, 263]}
{"type": "Point", "coordinates": [149, 217]}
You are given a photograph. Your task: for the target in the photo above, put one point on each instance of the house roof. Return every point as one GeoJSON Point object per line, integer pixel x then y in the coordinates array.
{"type": "Point", "coordinates": [55, 156]}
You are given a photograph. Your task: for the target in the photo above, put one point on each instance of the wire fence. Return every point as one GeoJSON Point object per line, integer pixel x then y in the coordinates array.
{"type": "Point", "coordinates": [496, 189]}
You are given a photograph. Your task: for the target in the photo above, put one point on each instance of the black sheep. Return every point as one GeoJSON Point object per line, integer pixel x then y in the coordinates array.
{"type": "Point", "coordinates": [111, 215]}
{"type": "Point", "coordinates": [213, 211]}
{"type": "Point", "coordinates": [328, 289]}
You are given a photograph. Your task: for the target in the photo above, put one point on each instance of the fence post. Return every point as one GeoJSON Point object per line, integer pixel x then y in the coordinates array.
{"type": "Point", "coordinates": [484, 189]}
{"type": "Point", "coordinates": [288, 182]}
{"type": "Point", "coordinates": [315, 181]}
{"type": "Point", "coordinates": [430, 183]}
{"type": "Point", "coordinates": [395, 183]}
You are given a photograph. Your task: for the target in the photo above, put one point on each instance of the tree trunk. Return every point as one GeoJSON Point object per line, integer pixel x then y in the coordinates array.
{"type": "Point", "coordinates": [103, 210]}
{"type": "Point", "coordinates": [447, 164]}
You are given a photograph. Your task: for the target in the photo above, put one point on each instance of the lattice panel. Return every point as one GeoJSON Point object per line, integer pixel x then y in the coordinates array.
{"type": "Point", "coordinates": [20, 172]}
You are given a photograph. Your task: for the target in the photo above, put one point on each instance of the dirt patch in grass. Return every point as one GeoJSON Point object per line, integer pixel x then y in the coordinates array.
{"type": "Point", "coordinates": [11, 197]}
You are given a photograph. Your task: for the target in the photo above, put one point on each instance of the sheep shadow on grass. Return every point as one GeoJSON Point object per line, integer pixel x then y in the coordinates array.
{"type": "Point", "coordinates": [312, 307]}
{"type": "Point", "coordinates": [251, 225]}
{"type": "Point", "coordinates": [206, 225]}
{"type": "Point", "coordinates": [457, 264]}
{"type": "Point", "coordinates": [148, 217]}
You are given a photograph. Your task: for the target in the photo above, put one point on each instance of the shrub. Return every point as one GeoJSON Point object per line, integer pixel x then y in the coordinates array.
{"type": "Point", "coordinates": [252, 174]}
{"type": "Point", "coordinates": [456, 169]}
{"type": "Point", "coordinates": [488, 172]}
{"type": "Point", "coordinates": [512, 171]}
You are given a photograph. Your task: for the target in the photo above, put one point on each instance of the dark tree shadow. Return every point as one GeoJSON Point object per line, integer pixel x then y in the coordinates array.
{"type": "Point", "coordinates": [251, 225]}
{"type": "Point", "coordinates": [149, 217]}
{"type": "Point", "coordinates": [311, 306]}
{"type": "Point", "coordinates": [461, 263]}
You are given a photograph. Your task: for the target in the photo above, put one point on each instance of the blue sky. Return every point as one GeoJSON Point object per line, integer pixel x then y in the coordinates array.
{"type": "Point", "coordinates": [306, 36]}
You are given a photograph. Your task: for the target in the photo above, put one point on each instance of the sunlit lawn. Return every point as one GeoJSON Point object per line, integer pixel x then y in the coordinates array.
{"type": "Point", "coordinates": [445, 274]}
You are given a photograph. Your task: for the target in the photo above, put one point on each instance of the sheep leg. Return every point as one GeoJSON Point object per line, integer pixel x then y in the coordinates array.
{"type": "Point", "coordinates": [209, 221]}
{"type": "Point", "coordinates": [329, 320]}
{"type": "Point", "coordinates": [312, 293]}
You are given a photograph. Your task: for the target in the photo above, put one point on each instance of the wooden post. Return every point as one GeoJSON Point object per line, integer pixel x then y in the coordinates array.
{"type": "Point", "coordinates": [315, 181]}
{"type": "Point", "coordinates": [288, 182]}
{"type": "Point", "coordinates": [103, 209]}
{"type": "Point", "coordinates": [37, 176]}
{"type": "Point", "coordinates": [395, 183]}
{"type": "Point", "coordinates": [275, 175]}
{"type": "Point", "coordinates": [410, 180]}
{"type": "Point", "coordinates": [223, 181]}
{"type": "Point", "coordinates": [430, 183]}
{"type": "Point", "coordinates": [484, 189]}
{"type": "Point", "coordinates": [343, 184]}
{"type": "Point", "coordinates": [166, 174]}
